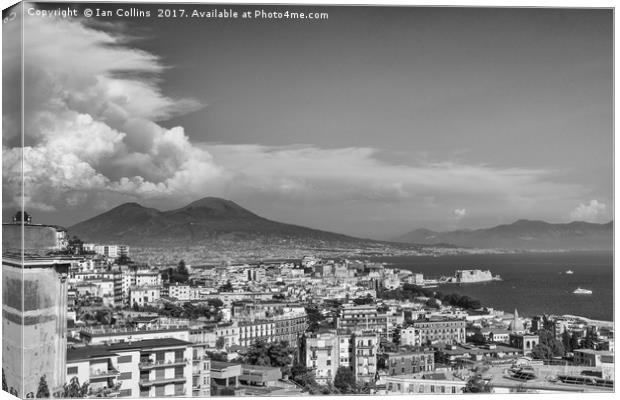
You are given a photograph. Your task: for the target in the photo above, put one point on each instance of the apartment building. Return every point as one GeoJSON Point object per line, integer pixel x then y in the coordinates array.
{"type": "Point", "coordinates": [410, 361]}
{"type": "Point", "coordinates": [287, 327]}
{"type": "Point", "coordinates": [365, 345]}
{"type": "Point", "coordinates": [327, 351]}
{"type": "Point", "coordinates": [143, 295]}
{"type": "Point", "coordinates": [434, 331]}
{"type": "Point", "coordinates": [145, 368]}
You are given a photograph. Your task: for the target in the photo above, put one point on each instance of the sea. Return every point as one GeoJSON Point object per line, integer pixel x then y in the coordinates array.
{"type": "Point", "coordinates": [532, 283]}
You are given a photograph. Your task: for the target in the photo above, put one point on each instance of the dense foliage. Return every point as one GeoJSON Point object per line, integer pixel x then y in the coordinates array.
{"type": "Point", "coordinates": [411, 292]}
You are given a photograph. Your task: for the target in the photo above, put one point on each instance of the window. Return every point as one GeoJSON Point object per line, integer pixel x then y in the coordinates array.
{"type": "Point", "coordinates": [72, 370]}
{"type": "Point", "coordinates": [453, 389]}
{"type": "Point", "coordinates": [329, 362]}
{"type": "Point", "coordinates": [432, 388]}
{"type": "Point", "coordinates": [125, 393]}
{"type": "Point", "coordinates": [124, 359]}
{"type": "Point", "coordinates": [124, 376]}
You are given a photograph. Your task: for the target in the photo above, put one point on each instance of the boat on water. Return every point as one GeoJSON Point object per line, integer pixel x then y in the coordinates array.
{"type": "Point", "coordinates": [569, 272]}
{"type": "Point", "coordinates": [582, 291]}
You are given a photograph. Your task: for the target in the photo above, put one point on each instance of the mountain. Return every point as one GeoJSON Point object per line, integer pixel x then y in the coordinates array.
{"type": "Point", "coordinates": [522, 235]}
{"type": "Point", "coordinates": [202, 222]}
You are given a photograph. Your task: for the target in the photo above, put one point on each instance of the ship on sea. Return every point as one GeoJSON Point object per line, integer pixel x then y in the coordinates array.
{"type": "Point", "coordinates": [582, 291]}
{"type": "Point", "coordinates": [569, 272]}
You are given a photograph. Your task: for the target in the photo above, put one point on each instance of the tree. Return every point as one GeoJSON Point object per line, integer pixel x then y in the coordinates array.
{"type": "Point", "coordinates": [303, 376]}
{"type": "Point", "coordinates": [228, 287]}
{"type": "Point", "coordinates": [220, 343]}
{"type": "Point", "coordinates": [43, 391]}
{"type": "Point", "coordinates": [477, 338]}
{"type": "Point", "coordinates": [258, 354]}
{"type": "Point", "coordinates": [315, 317]}
{"type": "Point", "coordinates": [566, 340]}
{"type": "Point", "coordinates": [590, 339]}
{"type": "Point", "coordinates": [182, 269]}
{"type": "Point", "coordinates": [217, 303]}
{"type": "Point", "coordinates": [73, 389]}
{"type": "Point", "coordinates": [123, 260]}
{"type": "Point", "coordinates": [5, 387]}
{"type": "Point", "coordinates": [344, 380]}
{"type": "Point", "coordinates": [396, 335]}
{"type": "Point", "coordinates": [475, 384]}
{"type": "Point", "coordinates": [574, 341]}
{"type": "Point", "coordinates": [548, 339]}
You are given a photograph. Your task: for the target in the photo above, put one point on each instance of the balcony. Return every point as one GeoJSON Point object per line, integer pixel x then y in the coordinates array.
{"type": "Point", "coordinates": [161, 381]}
{"type": "Point", "coordinates": [146, 365]}
{"type": "Point", "coordinates": [103, 373]}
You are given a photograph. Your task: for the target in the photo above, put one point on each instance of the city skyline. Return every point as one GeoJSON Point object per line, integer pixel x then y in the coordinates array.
{"type": "Point", "coordinates": [443, 118]}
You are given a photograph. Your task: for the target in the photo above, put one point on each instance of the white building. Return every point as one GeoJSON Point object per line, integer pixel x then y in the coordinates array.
{"type": "Point", "coordinates": [143, 295]}
{"type": "Point", "coordinates": [146, 368]}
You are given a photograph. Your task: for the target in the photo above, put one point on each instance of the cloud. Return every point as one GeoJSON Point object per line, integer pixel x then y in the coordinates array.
{"type": "Point", "coordinates": [92, 112]}
{"type": "Point", "coordinates": [459, 213]}
{"type": "Point", "coordinates": [356, 174]}
{"type": "Point", "coordinates": [591, 212]}
{"type": "Point", "coordinates": [94, 138]}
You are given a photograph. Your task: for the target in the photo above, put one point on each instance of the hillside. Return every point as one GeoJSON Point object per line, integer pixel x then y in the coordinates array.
{"type": "Point", "coordinates": [522, 235]}
{"type": "Point", "coordinates": [200, 222]}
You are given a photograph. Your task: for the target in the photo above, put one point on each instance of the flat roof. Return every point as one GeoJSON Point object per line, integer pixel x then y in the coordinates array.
{"type": "Point", "coordinates": [88, 352]}
{"type": "Point", "coordinates": [223, 364]}
{"type": "Point", "coordinates": [163, 342]}
{"type": "Point", "coordinates": [28, 260]}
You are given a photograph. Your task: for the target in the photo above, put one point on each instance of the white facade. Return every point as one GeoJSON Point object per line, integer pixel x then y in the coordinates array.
{"type": "Point", "coordinates": [143, 295]}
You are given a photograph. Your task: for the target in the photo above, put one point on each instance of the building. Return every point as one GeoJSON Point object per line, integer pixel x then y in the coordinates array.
{"type": "Point", "coordinates": [145, 368]}
{"type": "Point", "coordinates": [407, 362]}
{"type": "Point", "coordinates": [225, 374]}
{"type": "Point", "coordinates": [365, 345]}
{"type": "Point", "coordinates": [256, 375]}
{"type": "Point", "coordinates": [179, 291]}
{"type": "Point", "coordinates": [34, 321]}
{"type": "Point", "coordinates": [496, 335]}
{"type": "Point", "coordinates": [433, 331]}
{"type": "Point", "coordinates": [525, 342]}
{"type": "Point", "coordinates": [103, 335]}
{"type": "Point", "coordinates": [459, 356]}
{"type": "Point", "coordinates": [593, 358]}
{"type": "Point", "coordinates": [323, 354]}
{"type": "Point", "coordinates": [516, 325]}
{"type": "Point", "coordinates": [327, 351]}
{"type": "Point", "coordinates": [143, 295]}
{"type": "Point", "coordinates": [472, 275]}
{"type": "Point", "coordinates": [287, 327]}
{"type": "Point", "coordinates": [96, 365]}
{"type": "Point", "coordinates": [201, 371]}
{"type": "Point", "coordinates": [429, 383]}
{"type": "Point", "coordinates": [113, 251]}
{"type": "Point", "coordinates": [365, 316]}
{"type": "Point", "coordinates": [38, 239]}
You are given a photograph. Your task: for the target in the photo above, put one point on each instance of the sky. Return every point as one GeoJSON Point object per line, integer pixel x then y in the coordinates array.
{"type": "Point", "coordinates": [375, 122]}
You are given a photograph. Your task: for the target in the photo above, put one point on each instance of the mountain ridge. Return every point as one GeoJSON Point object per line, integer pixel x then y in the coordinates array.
{"type": "Point", "coordinates": [199, 222]}
{"type": "Point", "coordinates": [523, 234]}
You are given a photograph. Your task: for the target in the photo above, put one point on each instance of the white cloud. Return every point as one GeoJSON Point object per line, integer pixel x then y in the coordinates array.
{"type": "Point", "coordinates": [591, 212]}
{"type": "Point", "coordinates": [94, 139]}
{"type": "Point", "coordinates": [91, 123]}
{"type": "Point", "coordinates": [459, 213]}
